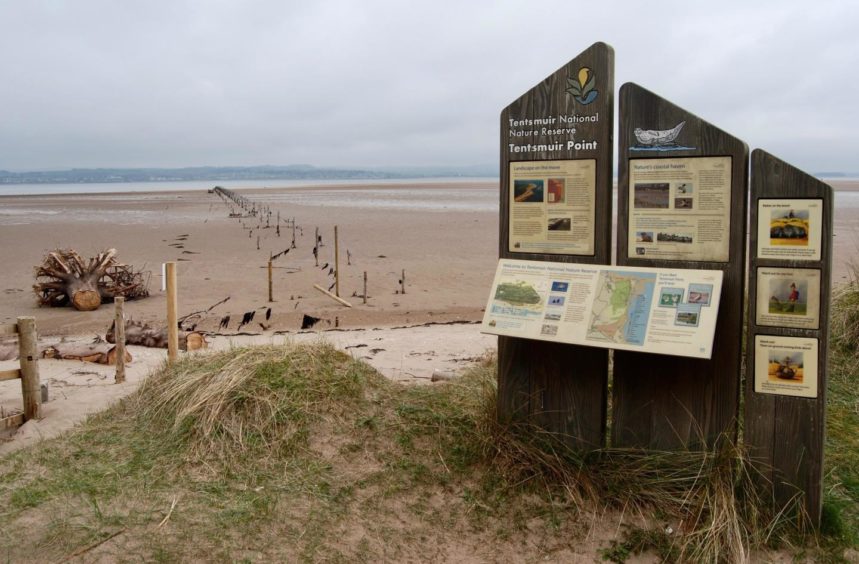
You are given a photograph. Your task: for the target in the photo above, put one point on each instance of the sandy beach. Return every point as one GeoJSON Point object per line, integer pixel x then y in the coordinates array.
{"type": "Point", "coordinates": [443, 235]}
{"type": "Point", "coordinates": [447, 249]}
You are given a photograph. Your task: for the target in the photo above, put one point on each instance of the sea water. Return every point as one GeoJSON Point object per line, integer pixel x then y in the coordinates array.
{"type": "Point", "coordinates": [380, 194]}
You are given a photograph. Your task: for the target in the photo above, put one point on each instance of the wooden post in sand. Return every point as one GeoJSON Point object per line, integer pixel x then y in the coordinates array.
{"type": "Point", "coordinates": [270, 286]}
{"type": "Point", "coordinates": [403, 282]}
{"type": "Point", "coordinates": [336, 264]}
{"type": "Point", "coordinates": [316, 246]}
{"type": "Point", "coordinates": [293, 233]}
{"type": "Point", "coordinates": [119, 334]}
{"type": "Point", "coordinates": [365, 287]}
{"type": "Point", "coordinates": [28, 351]}
{"type": "Point", "coordinates": [172, 314]}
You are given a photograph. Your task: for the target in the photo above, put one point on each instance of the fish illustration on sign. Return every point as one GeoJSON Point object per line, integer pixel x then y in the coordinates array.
{"type": "Point", "coordinates": [582, 86]}
{"type": "Point", "coordinates": [659, 139]}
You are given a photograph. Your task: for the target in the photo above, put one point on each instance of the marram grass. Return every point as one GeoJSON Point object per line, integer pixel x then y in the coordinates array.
{"type": "Point", "coordinates": [292, 449]}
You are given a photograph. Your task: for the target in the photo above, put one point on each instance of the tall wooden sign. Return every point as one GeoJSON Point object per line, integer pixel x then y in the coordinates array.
{"type": "Point", "coordinates": [682, 191]}
{"type": "Point", "coordinates": [789, 288]}
{"type": "Point", "coordinates": [556, 205]}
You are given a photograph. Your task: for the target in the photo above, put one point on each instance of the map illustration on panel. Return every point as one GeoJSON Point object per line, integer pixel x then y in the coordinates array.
{"type": "Point", "coordinates": [621, 307]}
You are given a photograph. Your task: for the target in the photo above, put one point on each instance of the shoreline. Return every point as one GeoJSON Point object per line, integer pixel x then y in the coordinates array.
{"type": "Point", "coordinates": [448, 249]}
{"type": "Point", "coordinates": [838, 185]}
{"type": "Point", "coordinates": [443, 235]}
{"type": "Point", "coordinates": [219, 257]}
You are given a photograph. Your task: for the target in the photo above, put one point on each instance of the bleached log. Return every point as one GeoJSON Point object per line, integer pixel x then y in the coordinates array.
{"type": "Point", "coordinates": [139, 333]}
{"type": "Point", "coordinates": [99, 353]}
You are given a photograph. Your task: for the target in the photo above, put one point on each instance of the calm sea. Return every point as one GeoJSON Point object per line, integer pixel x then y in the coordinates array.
{"type": "Point", "coordinates": [114, 187]}
{"type": "Point", "coordinates": [373, 193]}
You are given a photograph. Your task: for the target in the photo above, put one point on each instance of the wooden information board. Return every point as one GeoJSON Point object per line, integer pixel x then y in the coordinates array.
{"type": "Point", "coordinates": [790, 267]}
{"type": "Point", "coordinates": [629, 308]}
{"type": "Point", "coordinates": [682, 192]}
{"type": "Point", "coordinates": [556, 205]}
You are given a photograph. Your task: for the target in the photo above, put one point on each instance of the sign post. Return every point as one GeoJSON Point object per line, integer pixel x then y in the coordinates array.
{"type": "Point", "coordinates": [790, 269]}
{"type": "Point", "coordinates": [556, 205]}
{"type": "Point", "coordinates": [682, 190]}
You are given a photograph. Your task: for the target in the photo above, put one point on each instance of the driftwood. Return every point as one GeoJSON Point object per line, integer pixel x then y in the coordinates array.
{"type": "Point", "coordinates": [64, 278]}
{"type": "Point", "coordinates": [139, 333]}
{"type": "Point", "coordinates": [100, 353]}
{"type": "Point", "coordinates": [332, 296]}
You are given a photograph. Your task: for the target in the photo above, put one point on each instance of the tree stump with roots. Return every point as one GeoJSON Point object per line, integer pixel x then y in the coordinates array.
{"type": "Point", "coordinates": [65, 278]}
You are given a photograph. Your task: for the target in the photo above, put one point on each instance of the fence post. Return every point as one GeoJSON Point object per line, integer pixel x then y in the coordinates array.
{"type": "Point", "coordinates": [29, 352]}
{"type": "Point", "coordinates": [119, 333]}
{"type": "Point", "coordinates": [172, 314]}
{"type": "Point", "coordinates": [336, 264]}
{"type": "Point", "coordinates": [270, 283]}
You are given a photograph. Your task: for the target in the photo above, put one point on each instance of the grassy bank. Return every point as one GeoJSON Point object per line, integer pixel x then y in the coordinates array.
{"type": "Point", "coordinates": [841, 485]}
{"type": "Point", "coordinates": [302, 453]}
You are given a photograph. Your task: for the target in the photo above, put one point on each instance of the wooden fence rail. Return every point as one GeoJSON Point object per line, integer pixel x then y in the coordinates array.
{"type": "Point", "coordinates": [28, 372]}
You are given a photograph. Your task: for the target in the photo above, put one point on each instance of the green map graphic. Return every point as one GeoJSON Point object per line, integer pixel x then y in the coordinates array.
{"type": "Point", "coordinates": [621, 307]}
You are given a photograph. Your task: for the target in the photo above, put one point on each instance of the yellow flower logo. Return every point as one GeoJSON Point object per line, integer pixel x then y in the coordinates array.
{"type": "Point", "coordinates": [582, 86]}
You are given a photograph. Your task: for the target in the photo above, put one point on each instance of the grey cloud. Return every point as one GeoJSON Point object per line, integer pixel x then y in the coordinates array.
{"type": "Point", "coordinates": [99, 83]}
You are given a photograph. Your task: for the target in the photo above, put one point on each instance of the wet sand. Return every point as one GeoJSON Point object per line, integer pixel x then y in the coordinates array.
{"type": "Point", "coordinates": [443, 235]}
{"type": "Point", "coordinates": [448, 253]}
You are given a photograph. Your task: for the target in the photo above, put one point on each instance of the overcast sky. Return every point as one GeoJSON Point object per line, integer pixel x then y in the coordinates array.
{"type": "Point", "coordinates": [101, 83]}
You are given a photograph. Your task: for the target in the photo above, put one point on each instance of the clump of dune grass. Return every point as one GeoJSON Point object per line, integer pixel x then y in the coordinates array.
{"type": "Point", "coordinates": [266, 397]}
{"type": "Point", "coordinates": [698, 506]}
{"type": "Point", "coordinates": [840, 519]}
{"type": "Point", "coordinates": [703, 504]}
{"type": "Point", "coordinates": [844, 323]}
{"type": "Point", "coordinates": [305, 442]}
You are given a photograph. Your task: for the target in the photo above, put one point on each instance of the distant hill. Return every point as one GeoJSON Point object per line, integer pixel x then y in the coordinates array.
{"type": "Point", "coordinates": [214, 173]}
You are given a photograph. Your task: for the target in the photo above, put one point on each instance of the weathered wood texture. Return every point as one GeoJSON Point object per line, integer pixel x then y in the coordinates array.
{"type": "Point", "coordinates": [561, 387]}
{"type": "Point", "coordinates": [336, 263]}
{"type": "Point", "coordinates": [341, 301]}
{"type": "Point", "coordinates": [785, 435]}
{"type": "Point", "coordinates": [139, 333]}
{"type": "Point", "coordinates": [119, 327]}
{"type": "Point", "coordinates": [667, 402]}
{"type": "Point", "coordinates": [29, 359]}
{"type": "Point", "coordinates": [13, 374]}
{"type": "Point", "coordinates": [98, 353]}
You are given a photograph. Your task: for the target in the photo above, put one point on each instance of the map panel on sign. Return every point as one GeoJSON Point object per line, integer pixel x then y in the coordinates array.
{"type": "Point", "coordinates": [664, 311]}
